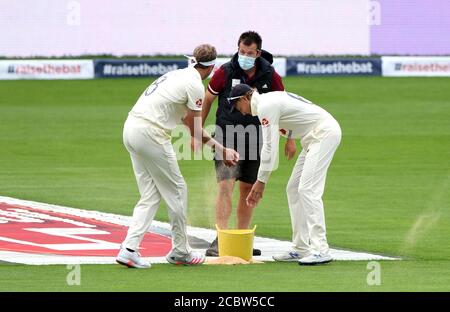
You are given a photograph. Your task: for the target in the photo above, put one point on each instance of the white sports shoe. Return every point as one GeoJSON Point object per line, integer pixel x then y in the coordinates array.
{"type": "Point", "coordinates": [315, 259]}
{"type": "Point", "coordinates": [132, 259]}
{"type": "Point", "coordinates": [192, 258]}
{"type": "Point", "coordinates": [288, 256]}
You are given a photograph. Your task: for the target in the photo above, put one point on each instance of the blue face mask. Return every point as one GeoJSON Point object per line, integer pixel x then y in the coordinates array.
{"type": "Point", "coordinates": [246, 62]}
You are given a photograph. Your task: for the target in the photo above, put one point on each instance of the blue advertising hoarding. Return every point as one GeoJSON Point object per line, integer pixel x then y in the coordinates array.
{"type": "Point", "coordinates": [115, 68]}
{"type": "Point", "coordinates": [333, 67]}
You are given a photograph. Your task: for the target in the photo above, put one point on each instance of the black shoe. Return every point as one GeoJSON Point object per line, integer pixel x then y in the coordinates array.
{"type": "Point", "coordinates": [256, 252]}
{"type": "Point", "coordinates": [213, 250]}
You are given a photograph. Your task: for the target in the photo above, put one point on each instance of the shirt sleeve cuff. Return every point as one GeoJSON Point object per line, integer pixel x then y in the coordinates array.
{"type": "Point", "coordinates": [263, 176]}
{"type": "Point", "coordinates": [212, 91]}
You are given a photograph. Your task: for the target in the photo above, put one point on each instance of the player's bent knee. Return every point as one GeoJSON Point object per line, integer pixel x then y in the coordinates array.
{"type": "Point", "coordinates": [183, 186]}
{"type": "Point", "coordinates": [305, 190]}
{"type": "Point", "coordinates": [292, 188]}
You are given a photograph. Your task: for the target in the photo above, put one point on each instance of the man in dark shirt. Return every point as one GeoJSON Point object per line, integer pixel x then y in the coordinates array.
{"type": "Point", "coordinates": [250, 65]}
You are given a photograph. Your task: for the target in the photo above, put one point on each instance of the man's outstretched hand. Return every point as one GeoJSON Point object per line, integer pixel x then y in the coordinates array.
{"type": "Point", "coordinates": [255, 194]}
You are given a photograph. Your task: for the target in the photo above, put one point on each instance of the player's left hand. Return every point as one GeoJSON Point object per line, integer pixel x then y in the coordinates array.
{"type": "Point", "coordinates": [290, 149]}
{"type": "Point", "coordinates": [255, 194]}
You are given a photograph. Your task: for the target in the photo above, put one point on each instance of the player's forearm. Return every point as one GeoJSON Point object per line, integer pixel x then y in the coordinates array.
{"type": "Point", "coordinates": [269, 153]}
{"type": "Point", "coordinates": [266, 166]}
{"type": "Point", "coordinates": [206, 107]}
{"type": "Point", "coordinates": [196, 130]}
{"type": "Point", "coordinates": [205, 112]}
{"type": "Point", "coordinates": [267, 162]}
{"type": "Point", "coordinates": [209, 141]}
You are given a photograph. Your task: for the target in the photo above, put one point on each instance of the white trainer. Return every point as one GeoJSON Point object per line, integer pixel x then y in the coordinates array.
{"type": "Point", "coordinates": [315, 259]}
{"type": "Point", "coordinates": [192, 258]}
{"type": "Point", "coordinates": [132, 259]}
{"type": "Point", "coordinates": [288, 256]}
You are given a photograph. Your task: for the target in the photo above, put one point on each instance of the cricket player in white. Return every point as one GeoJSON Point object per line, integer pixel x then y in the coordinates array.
{"type": "Point", "coordinates": [173, 98]}
{"type": "Point", "coordinates": [320, 136]}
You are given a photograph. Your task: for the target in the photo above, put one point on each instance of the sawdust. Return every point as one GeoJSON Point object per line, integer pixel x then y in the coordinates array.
{"type": "Point", "coordinates": [230, 260]}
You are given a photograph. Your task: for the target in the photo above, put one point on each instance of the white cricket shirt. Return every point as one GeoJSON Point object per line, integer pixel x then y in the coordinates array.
{"type": "Point", "coordinates": [165, 102]}
{"type": "Point", "coordinates": [285, 112]}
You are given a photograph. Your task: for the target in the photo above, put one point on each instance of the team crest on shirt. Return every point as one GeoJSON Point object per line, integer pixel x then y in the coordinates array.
{"type": "Point", "coordinates": [285, 133]}
{"type": "Point", "coordinates": [198, 103]}
{"type": "Point", "coordinates": [264, 122]}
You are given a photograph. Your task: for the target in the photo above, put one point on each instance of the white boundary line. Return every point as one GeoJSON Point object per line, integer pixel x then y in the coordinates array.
{"type": "Point", "coordinates": [268, 246]}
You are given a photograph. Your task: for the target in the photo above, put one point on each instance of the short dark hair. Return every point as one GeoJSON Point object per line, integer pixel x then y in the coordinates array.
{"type": "Point", "coordinates": [249, 38]}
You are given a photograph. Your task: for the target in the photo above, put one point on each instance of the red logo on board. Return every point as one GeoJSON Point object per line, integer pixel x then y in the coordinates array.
{"type": "Point", "coordinates": [264, 122]}
{"type": "Point", "coordinates": [36, 231]}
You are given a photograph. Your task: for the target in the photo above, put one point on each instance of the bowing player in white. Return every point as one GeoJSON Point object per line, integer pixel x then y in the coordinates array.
{"type": "Point", "coordinates": [320, 136]}
{"type": "Point", "coordinates": [172, 99]}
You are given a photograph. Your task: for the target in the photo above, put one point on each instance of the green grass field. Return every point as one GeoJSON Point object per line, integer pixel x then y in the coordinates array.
{"type": "Point", "coordinates": [387, 189]}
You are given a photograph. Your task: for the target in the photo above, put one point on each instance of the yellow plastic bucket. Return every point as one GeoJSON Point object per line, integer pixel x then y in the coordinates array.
{"type": "Point", "coordinates": [236, 243]}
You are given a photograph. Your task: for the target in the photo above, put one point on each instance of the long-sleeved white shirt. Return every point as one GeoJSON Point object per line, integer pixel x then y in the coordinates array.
{"type": "Point", "coordinates": [283, 112]}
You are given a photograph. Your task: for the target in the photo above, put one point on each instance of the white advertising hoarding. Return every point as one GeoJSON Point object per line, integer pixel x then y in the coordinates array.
{"type": "Point", "coordinates": [426, 66]}
{"type": "Point", "coordinates": [46, 69]}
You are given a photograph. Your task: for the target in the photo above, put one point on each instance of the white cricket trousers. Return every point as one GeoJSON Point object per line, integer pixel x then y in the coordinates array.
{"type": "Point", "coordinates": [306, 186]}
{"type": "Point", "coordinates": [158, 177]}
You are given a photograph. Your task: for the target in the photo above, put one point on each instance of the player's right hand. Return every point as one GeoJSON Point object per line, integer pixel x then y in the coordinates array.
{"type": "Point", "coordinates": [290, 149]}
{"type": "Point", "coordinates": [255, 194]}
{"type": "Point", "coordinates": [230, 157]}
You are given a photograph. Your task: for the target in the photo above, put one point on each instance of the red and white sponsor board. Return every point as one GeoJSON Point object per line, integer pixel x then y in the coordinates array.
{"type": "Point", "coordinates": [424, 66]}
{"type": "Point", "coordinates": [39, 231]}
{"type": "Point", "coordinates": [46, 69]}
{"type": "Point", "coordinates": [40, 234]}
